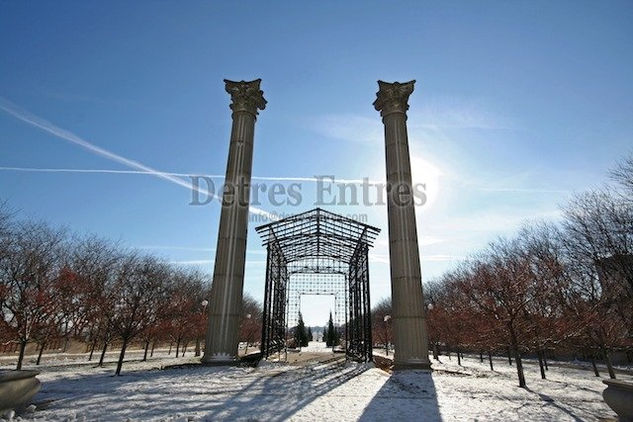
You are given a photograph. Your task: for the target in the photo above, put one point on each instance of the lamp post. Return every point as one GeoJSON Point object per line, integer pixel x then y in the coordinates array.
{"type": "Point", "coordinates": [436, 355]}
{"type": "Point", "coordinates": [386, 319]}
{"type": "Point", "coordinates": [204, 305]}
{"type": "Point", "coordinates": [248, 316]}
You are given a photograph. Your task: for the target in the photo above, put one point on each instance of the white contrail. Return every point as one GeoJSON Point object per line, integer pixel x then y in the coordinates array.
{"type": "Point", "coordinates": [102, 171]}
{"type": "Point", "coordinates": [267, 178]}
{"type": "Point", "coordinates": [49, 127]}
{"type": "Point", "coordinates": [212, 176]}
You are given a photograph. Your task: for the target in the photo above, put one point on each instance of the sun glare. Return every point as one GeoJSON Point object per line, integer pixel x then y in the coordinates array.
{"type": "Point", "coordinates": [426, 173]}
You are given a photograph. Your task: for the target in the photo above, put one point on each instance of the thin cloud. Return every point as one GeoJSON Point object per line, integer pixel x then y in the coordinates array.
{"type": "Point", "coordinates": [349, 127]}
{"type": "Point", "coordinates": [193, 262]}
{"type": "Point", "coordinates": [210, 261]}
{"type": "Point", "coordinates": [435, 118]}
{"type": "Point", "coordinates": [435, 121]}
{"type": "Point", "coordinates": [525, 182]}
{"type": "Point", "coordinates": [494, 221]}
{"type": "Point", "coordinates": [378, 257]}
{"type": "Point", "coordinates": [54, 130]}
{"type": "Point", "coordinates": [458, 115]}
{"type": "Point", "coordinates": [176, 248]}
{"type": "Point", "coordinates": [442, 258]}
{"type": "Point", "coordinates": [522, 190]}
{"type": "Point", "coordinates": [192, 248]}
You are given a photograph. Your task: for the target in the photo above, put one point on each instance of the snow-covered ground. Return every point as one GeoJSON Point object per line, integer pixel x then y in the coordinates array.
{"type": "Point", "coordinates": [317, 347]}
{"type": "Point", "coordinates": [322, 387]}
{"type": "Point", "coordinates": [53, 360]}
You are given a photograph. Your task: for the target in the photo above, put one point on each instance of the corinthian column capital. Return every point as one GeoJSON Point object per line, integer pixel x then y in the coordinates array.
{"type": "Point", "coordinates": [246, 96]}
{"type": "Point", "coordinates": [393, 97]}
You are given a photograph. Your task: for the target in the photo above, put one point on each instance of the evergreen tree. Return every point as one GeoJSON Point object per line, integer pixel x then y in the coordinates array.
{"type": "Point", "coordinates": [301, 336]}
{"type": "Point", "coordinates": [331, 335]}
{"type": "Point", "coordinates": [310, 337]}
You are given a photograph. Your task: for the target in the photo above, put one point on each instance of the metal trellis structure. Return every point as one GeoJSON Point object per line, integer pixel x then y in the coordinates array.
{"type": "Point", "coordinates": [318, 252]}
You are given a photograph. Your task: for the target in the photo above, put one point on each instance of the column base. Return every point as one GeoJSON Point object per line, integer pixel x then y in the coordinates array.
{"type": "Point", "coordinates": [413, 364]}
{"type": "Point", "coordinates": [220, 360]}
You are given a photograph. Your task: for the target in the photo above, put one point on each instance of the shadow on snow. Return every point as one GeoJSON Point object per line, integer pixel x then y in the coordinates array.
{"type": "Point", "coordinates": [408, 395]}
{"type": "Point", "coordinates": [205, 393]}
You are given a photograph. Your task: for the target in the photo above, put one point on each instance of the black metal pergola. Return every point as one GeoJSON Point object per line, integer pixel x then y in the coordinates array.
{"type": "Point", "coordinates": [313, 243]}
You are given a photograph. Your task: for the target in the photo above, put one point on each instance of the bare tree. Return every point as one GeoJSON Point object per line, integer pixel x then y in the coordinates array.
{"type": "Point", "coordinates": [598, 233]}
{"type": "Point", "coordinates": [94, 263]}
{"type": "Point", "coordinates": [501, 288]}
{"type": "Point", "coordinates": [6, 331]}
{"type": "Point", "coordinates": [623, 175]}
{"type": "Point", "coordinates": [251, 320]}
{"type": "Point", "coordinates": [139, 291]}
{"type": "Point", "coordinates": [551, 283]}
{"type": "Point", "coordinates": [27, 274]}
{"type": "Point", "coordinates": [381, 325]}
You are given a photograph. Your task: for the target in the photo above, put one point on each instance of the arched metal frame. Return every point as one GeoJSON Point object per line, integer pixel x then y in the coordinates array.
{"type": "Point", "coordinates": [318, 242]}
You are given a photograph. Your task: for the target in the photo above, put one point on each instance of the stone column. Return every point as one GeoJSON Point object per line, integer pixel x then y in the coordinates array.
{"type": "Point", "coordinates": [228, 275]}
{"type": "Point", "coordinates": [408, 318]}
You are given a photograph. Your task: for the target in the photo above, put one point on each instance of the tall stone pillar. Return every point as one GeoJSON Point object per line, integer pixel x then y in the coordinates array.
{"type": "Point", "coordinates": [409, 325]}
{"type": "Point", "coordinates": [228, 275]}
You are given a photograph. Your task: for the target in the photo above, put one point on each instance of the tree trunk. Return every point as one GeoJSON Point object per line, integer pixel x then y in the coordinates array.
{"type": "Point", "coordinates": [92, 350]}
{"type": "Point", "coordinates": [170, 344]}
{"type": "Point", "coordinates": [39, 355]}
{"type": "Point", "coordinates": [492, 368]}
{"type": "Point", "coordinates": [177, 347]}
{"type": "Point", "coordinates": [459, 358]}
{"type": "Point", "coordinates": [520, 373]}
{"type": "Point", "coordinates": [435, 352]}
{"type": "Point", "coordinates": [121, 356]}
{"type": "Point", "coordinates": [146, 349]}
{"type": "Point", "coordinates": [103, 352]}
{"type": "Point", "coordinates": [509, 357]}
{"type": "Point", "coordinates": [545, 360]}
{"type": "Point", "coordinates": [607, 359]}
{"type": "Point", "coordinates": [593, 364]}
{"type": "Point", "coordinates": [151, 353]}
{"type": "Point", "coordinates": [184, 350]}
{"type": "Point", "coordinates": [517, 358]}
{"type": "Point", "coordinates": [540, 364]}
{"type": "Point", "coordinates": [21, 355]}
{"type": "Point", "coordinates": [481, 357]}
{"type": "Point", "coordinates": [197, 350]}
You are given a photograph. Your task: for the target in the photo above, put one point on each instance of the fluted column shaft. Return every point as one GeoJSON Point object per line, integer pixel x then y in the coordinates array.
{"type": "Point", "coordinates": [225, 302]}
{"type": "Point", "coordinates": [408, 319]}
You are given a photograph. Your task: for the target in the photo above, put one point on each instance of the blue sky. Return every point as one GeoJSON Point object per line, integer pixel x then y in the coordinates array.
{"type": "Point", "coordinates": [517, 105]}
